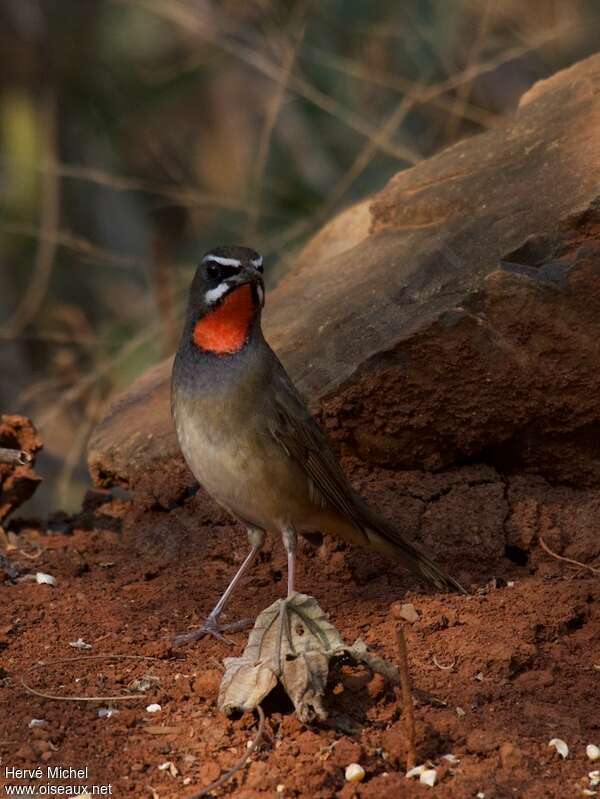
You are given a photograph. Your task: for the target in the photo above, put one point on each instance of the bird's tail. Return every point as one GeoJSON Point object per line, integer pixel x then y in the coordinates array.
{"type": "Point", "coordinates": [384, 537]}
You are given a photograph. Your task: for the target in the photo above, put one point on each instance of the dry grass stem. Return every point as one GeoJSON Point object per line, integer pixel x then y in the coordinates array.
{"type": "Point", "coordinates": [577, 563]}
{"type": "Point", "coordinates": [49, 222]}
{"type": "Point", "coordinates": [59, 698]}
{"type": "Point", "coordinates": [408, 710]}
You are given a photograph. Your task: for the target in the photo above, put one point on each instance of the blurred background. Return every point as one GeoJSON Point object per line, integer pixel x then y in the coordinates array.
{"type": "Point", "coordinates": [135, 134]}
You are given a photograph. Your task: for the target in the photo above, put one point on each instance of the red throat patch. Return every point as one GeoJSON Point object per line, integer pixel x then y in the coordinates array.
{"type": "Point", "coordinates": [225, 330]}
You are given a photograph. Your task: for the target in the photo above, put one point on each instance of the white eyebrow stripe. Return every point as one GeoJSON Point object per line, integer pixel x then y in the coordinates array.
{"type": "Point", "coordinates": [256, 262]}
{"type": "Point", "coordinates": [212, 295]}
{"type": "Point", "coordinates": [223, 261]}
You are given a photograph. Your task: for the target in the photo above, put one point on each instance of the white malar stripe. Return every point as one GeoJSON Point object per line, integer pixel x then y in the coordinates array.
{"type": "Point", "coordinates": [215, 294]}
{"type": "Point", "coordinates": [261, 294]}
{"type": "Point", "coordinates": [223, 261]}
{"type": "Point", "coordinates": [256, 262]}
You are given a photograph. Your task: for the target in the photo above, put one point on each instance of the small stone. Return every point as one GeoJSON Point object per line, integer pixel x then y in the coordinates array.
{"type": "Point", "coordinates": [107, 712]}
{"type": "Point", "coordinates": [44, 579]}
{"type": "Point", "coordinates": [452, 759]}
{"type": "Point", "coordinates": [560, 746]}
{"type": "Point", "coordinates": [593, 752]}
{"type": "Point", "coordinates": [415, 771]}
{"type": "Point", "coordinates": [206, 684]}
{"type": "Point", "coordinates": [80, 644]}
{"type": "Point", "coordinates": [594, 777]}
{"type": "Point", "coordinates": [460, 712]}
{"type": "Point", "coordinates": [428, 777]}
{"type": "Point", "coordinates": [405, 611]}
{"type": "Point", "coordinates": [153, 708]}
{"type": "Point", "coordinates": [143, 684]}
{"type": "Point", "coordinates": [41, 722]}
{"type": "Point", "coordinates": [280, 788]}
{"type": "Point", "coordinates": [345, 751]}
{"type": "Point", "coordinates": [354, 773]}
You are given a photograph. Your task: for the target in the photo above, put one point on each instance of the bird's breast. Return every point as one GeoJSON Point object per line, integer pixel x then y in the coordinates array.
{"type": "Point", "coordinates": [237, 461]}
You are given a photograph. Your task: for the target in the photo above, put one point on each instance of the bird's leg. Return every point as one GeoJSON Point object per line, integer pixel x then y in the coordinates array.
{"type": "Point", "coordinates": [211, 626]}
{"type": "Point", "coordinates": [290, 542]}
{"type": "Point", "coordinates": [284, 637]}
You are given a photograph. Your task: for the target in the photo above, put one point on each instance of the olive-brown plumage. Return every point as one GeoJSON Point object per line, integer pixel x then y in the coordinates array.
{"type": "Point", "coordinates": [248, 437]}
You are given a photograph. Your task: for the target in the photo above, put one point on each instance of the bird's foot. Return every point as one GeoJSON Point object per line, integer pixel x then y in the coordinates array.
{"type": "Point", "coordinates": [212, 627]}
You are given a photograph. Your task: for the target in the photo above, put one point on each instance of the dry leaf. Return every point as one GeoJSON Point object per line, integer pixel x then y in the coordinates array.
{"type": "Point", "coordinates": [292, 642]}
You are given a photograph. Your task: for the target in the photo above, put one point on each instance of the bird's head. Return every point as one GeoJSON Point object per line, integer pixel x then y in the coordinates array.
{"type": "Point", "coordinates": [226, 299]}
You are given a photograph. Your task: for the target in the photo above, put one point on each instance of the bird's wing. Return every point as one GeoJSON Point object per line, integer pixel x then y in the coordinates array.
{"type": "Point", "coordinates": [292, 426]}
{"type": "Point", "coordinates": [295, 430]}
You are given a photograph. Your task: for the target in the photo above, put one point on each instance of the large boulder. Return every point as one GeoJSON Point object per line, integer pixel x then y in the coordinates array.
{"type": "Point", "coordinates": [454, 317]}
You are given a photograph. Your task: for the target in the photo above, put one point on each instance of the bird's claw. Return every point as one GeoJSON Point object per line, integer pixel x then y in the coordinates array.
{"type": "Point", "coordinates": [213, 628]}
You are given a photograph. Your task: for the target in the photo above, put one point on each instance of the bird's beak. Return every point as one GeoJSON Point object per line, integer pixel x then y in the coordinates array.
{"type": "Point", "coordinates": [251, 275]}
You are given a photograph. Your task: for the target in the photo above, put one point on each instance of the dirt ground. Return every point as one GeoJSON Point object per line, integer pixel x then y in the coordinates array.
{"type": "Point", "coordinates": [518, 662]}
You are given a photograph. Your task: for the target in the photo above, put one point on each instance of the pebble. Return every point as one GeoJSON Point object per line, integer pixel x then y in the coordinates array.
{"type": "Point", "coordinates": [428, 777]}
{"type": "Point", "coordinates": [354, 773]}
{"type": "Point", "coordinates": [452, 759]}
{"type": "Point", "coordinates": [345, 751]}
{"type": "Point", "coordinates": [40, 723]}
{"type": "Point", "coordinates": [44, 579]}
{"type": "Point", "coordinates": [592, 751]}
{"type": "Point", "coordinates": [415, 771]}
{"type": "Point", "coordinates": [560, 746]}
{"type": "Point", "coordinates": [154, 708]}
{"type": "Point", "coordinates": [406, 611]}
{"type": "Point", "coordinates": [80, 644]}
{"type": "Point", "coordinates": [107, 712]}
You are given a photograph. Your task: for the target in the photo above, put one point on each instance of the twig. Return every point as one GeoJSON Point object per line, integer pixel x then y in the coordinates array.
{"type": "Point", "coordinates": [407, 700]}
{"type": "Point", "coordinates": [18, 457]}
{"type": "Point", "coordinates": [58, 698]}
{"type": "Point", "coordinates": [272, 112]}
{"type": "Point", "coordinates": [227, 775]}
{"type": "Point", "coordinates": [49, 221]}
{"type": "Point", "coordinates": [552, 554]}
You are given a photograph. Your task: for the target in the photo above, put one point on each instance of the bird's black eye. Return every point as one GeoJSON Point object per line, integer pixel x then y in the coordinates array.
{"type": "Point", "coordinates": [212, 270]}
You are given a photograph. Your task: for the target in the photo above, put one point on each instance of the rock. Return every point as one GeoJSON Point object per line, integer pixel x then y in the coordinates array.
{"type": "Point", "coordinates": [345, 751]}
{"type": "Point", "coordinates": [206, 684]}
{"type": "Point", "coordinates": [456, 317]}
{"type": "Point", "coordinates": [405, 611]}
{"type": "Point", "coordinates": [17, 483]}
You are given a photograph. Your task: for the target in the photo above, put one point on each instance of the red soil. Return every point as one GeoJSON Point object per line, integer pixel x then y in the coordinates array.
{"type": "Point", "coordinates": [522, 661]}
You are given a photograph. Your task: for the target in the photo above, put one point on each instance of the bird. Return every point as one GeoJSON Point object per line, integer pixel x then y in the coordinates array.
{"type": "Point", "coordinates": [249, 439]}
